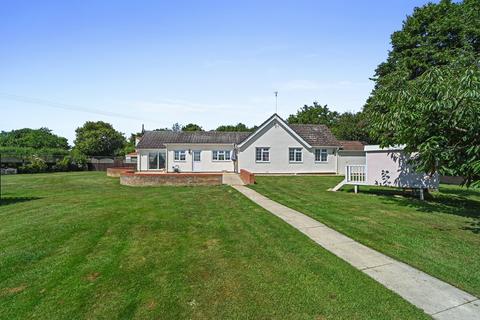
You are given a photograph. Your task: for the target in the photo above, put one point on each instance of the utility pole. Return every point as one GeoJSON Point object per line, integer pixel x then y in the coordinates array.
{"type": "Point", "coordinates": [276, 101]}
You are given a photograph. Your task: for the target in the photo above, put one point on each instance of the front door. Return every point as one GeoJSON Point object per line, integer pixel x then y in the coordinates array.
{"type": "Point", "coordinates": [196, 159]}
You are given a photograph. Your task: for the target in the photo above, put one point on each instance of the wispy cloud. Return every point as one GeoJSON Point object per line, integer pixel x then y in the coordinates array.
{"type": "Point", "coordinates": [245, 55]}
{"type": "Point", "coordinates": [309, 85]}
{"type": "Point", "coordinates": [176, 106]}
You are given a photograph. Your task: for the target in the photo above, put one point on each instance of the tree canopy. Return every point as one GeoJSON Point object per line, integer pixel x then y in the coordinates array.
{"type": "Point", "coordinates": [352, 126]}
{"type": "Point", "coordinates": [99, 139]}
{"type": "Point", "coordinates": [192, 127]}
{"type": "Point", "coordinates": [314, 114]}
{"type": "Point", "coordinates": [434, 35]}
{"type": "Point", "coordinates": [345, 126]}
{"type": "Point", "coordinates": [33, 138]}
{"type": "Point", "coordinates": [176, 127]}
{"type": "Point", "coordinates": [233, 128]}
{"type": "Point", "coordinates": [427, 93]}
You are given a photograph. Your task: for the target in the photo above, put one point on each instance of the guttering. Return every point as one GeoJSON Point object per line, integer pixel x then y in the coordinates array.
{"type": "Point", "coordinates": [376, 147]}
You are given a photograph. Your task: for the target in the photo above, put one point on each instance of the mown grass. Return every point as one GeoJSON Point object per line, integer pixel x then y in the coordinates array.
{"type": "Point", "coordinates": [79, 245]}
{"type": "Point", "coordinates": [440, 236]}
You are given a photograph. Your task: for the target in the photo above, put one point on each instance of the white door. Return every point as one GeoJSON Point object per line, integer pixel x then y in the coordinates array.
{"type": "Point", "coordinates": [196, 159]}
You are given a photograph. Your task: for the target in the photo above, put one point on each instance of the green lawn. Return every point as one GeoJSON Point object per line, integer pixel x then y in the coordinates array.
{"type": "Point", "coordinates": [440, 236]}
{"type": "Point", "coordinates": [79, 245]}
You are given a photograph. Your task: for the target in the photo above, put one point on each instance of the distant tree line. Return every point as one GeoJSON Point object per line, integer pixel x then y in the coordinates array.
{"type": "Point", "coordinates": [39, 150]}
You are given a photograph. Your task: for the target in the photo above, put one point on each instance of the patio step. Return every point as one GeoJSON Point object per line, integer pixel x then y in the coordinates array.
{"type": "Point", "coordinates": [338, 186]}
{"type": "Point", "coordinates": [232, 179]}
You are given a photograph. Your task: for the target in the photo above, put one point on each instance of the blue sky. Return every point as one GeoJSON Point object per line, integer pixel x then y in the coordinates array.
{"type": "Point", "coordinates": [209, 62]}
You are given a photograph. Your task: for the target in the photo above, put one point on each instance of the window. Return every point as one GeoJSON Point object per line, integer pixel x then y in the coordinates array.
{"type": "Point", "coordinates": [179, 155]}
{"type": "Point", "coordinates": [262, 154]}
{"type": "Point", "coordinates": [321, 155]}
{"type": "Point", "coordinates": [156, 160]}
{"type": "Point", "coordinates": [295, 154]}
{"type": "Point", "coordinates": [196, 155]}
{"type": "Point", "coordinates": [153, 160]}
{"type": "Point", "coordinates": [221, 155]}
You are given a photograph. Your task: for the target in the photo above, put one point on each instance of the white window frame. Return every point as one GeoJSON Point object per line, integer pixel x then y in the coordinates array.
{"type": "Point", "coordinates": [263, 151]}
{"type": "Point", "coordinates": [199, 152]}
{"type": "Point", "coordinates": [157, 167]}
{"type": "Point", "coordinates": [157, 162]}
{"type": "Point", "coordinates": [181, 154]}
{"type": "Point", "coordinates": [296, 151]}
{"type": "Point", "coordinates": [321, 152]}
{"type": "Point", "coordinates": [225, 154]}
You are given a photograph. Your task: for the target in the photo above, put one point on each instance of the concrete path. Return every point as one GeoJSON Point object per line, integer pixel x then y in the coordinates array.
{"type": "Point", "coordinates": [437, 298]}
{"type": "Point", "coordinates": [232, 179]}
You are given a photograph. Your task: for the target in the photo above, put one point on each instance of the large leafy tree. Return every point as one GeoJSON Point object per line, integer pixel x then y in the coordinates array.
{"type": "Point", "coordinates": [99, 139]}
{"type": "Point", "coordinates": [427, 93]}
{"type": "Point", "coordinates": [314, 114]}
{"type": "Point", "coordinates": [352, 126]}
{"type": "Point", "coordinates": [345, 126]}
{"type": "Point", "coordinates": [33, 138]}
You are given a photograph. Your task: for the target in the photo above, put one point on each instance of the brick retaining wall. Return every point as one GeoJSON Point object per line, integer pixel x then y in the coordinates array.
{"type": "Point", "coordinates": [247, 177]}
{"type": "Point", "coordinates": [117, 171]}
{"type": "Point", "coordinates": [170, 179]}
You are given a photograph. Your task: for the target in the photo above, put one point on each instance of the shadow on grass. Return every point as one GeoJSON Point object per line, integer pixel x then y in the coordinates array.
{"type": "Point", "coordinates": [12, 200]}
{"type": "Point", "coordinates": [451, 201]}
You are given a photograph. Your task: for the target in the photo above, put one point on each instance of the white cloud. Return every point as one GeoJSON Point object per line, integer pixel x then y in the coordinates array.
{"type": "Point", "coordinates": [309, 85]}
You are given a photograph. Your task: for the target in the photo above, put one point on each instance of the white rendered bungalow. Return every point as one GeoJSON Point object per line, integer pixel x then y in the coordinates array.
{"type": "Point", "coordinates": [275, 147]}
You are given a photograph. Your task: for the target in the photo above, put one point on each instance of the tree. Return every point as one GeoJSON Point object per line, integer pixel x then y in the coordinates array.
{"type": "Point", "coordinates": [427, 93]}
{"type": "Point", "coordinates": [315, 114]}
{"type": "Point", "coordinates": [233, 128]}
{"type": "Point", "coordinates": [33, 138]}
{"type": "Point", "coordinates": [345, 126]}
{"type": "Point", "coordinates": [437, 116]}
{"type": "Point", "coordinates": [192, 127]}
{"type": "Point", "coordinates": [352, 126]}
{"type": "Point", "coordinates": [434, 35]}
{"type": "Point", "coordinates": [176, 127]}
{"type": "Point", "coordinates": [98, 139]}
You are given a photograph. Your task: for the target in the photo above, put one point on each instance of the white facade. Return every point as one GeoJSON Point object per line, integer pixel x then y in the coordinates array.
{"type": "Point", "coordinates": [348, 158]}
{"type": "Point", "coordinates": [142, 162]}
{"type": "Point", "coordinates": [390, 167]}
{"type": "Point", "coordinates": [276, 137]}
{"type": "Point", "coordinates": [206, 162]}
